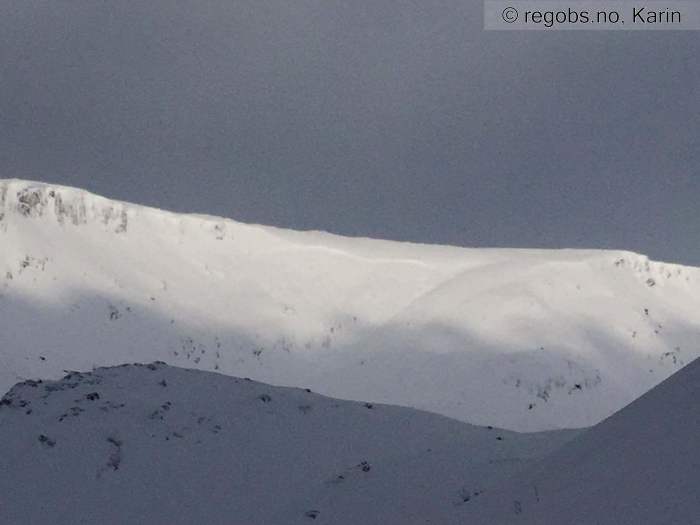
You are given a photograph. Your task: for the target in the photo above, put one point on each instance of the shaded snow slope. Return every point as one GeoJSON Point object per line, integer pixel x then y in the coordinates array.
{"type": "Point", "coordinates": [522, 339]}
{"type": "Point", "coordinates": [639, 466]}
{"type": "Point", "coordinates": [158, 444]}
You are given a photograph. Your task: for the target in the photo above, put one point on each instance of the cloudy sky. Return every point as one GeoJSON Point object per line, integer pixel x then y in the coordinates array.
{"type": "Point", "coordinates": [385, 118]}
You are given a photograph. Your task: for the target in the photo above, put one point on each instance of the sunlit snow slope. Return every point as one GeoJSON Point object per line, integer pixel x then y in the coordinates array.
{"type": "Point", "coordinates": [523, 339]}
{"type": "Point", "coordinates": [158, 444]}
{"type": "Point", "coordinates": [639, 466]}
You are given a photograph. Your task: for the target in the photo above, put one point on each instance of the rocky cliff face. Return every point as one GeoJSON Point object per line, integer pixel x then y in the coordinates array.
{"type": "Point", "coordinates": [60, 204]}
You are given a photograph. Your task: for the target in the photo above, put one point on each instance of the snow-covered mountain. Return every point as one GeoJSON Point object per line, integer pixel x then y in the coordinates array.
{"type": "Point", "coordinates": [158, 444]}
{"type": "Point", "coordinates": [639, 466]}
{"type": "Point", "coordinates": [521, 339]}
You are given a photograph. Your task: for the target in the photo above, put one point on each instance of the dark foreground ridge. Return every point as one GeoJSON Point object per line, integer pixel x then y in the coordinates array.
{"type": "Point", "coordinates": [157, 444]}
{"type": "Point", "coordinates": [641, 465]}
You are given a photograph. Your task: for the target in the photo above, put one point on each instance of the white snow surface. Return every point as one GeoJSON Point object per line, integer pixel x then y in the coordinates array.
{"type": "Point", "coordinates": [639, 466]}
{"type": "Point", "coordinates": [157, 444]}
{"type": "Point", "coordinates": [521, 339]}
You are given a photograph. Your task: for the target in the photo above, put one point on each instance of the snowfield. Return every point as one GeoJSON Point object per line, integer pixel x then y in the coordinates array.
{"type": "Point", "coordinates": [157, 444]}
{"type": "Point", "coordinates": [639, 466]}
{"type": "Point", "coordinates": [520, 339]}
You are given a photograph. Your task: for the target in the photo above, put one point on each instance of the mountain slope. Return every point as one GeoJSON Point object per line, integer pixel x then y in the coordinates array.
{"type": "Point", "coordinates": [639, 466]}
{"type": "Point", "coordinates": [158, 444]}
{"type": "Point", "coordinates": [522, 339]}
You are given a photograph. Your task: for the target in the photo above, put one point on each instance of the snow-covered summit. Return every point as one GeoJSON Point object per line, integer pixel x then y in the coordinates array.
{"type": "Point", "coordinates": [523, 339]}
{"type": "Point", "coordinates": [157, 444]}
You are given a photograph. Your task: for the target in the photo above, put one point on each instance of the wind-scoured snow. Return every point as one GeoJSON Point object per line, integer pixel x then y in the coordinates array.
{"type": "Point", "coordinates": [522, 339]}
{"type": "Point", "coordinates": [158, 444]}
{"type": "Point", "coordinates": [639, 466]}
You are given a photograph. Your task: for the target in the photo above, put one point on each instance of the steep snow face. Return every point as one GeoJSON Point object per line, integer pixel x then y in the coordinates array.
{"type": "Point", "coordinates": [156, 444]}
{"type": "Point", "coordinates": [522, 339]}
{"type": "Point", "coordinates": [639, 466]}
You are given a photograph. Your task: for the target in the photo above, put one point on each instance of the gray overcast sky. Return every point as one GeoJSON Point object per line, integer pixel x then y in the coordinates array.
{"type": "Point", "coordinates": [394, 119]}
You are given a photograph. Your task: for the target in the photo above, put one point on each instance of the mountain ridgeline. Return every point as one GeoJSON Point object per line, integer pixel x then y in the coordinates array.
{"type": "Point", "coordinates": [521, 339]}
